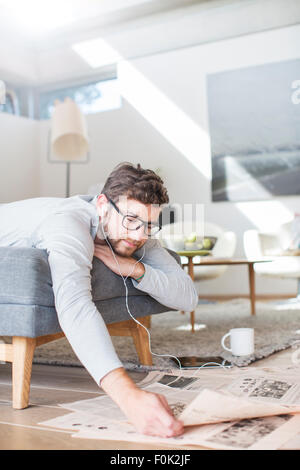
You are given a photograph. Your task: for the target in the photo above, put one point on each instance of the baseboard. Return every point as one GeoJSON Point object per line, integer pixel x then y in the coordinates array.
{"type": "Point", "coordinates": [245, 296]}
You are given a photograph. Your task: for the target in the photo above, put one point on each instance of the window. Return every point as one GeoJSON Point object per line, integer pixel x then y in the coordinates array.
{"type": "Point", "coordinates": [11, 104]}
{"type": "Point", "coordinates": [91, 98]}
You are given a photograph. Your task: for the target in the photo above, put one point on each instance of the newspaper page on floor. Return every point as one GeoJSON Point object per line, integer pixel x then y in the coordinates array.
{"type": "Point", "coordinates": [248, 408]}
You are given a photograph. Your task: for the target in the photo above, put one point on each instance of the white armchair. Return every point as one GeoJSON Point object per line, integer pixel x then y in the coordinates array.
{"type": "Point", "coordinates": [285, 263]}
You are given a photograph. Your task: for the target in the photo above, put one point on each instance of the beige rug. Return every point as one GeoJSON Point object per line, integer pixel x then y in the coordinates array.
{"type": "Point", "coordinates": [276, 325]}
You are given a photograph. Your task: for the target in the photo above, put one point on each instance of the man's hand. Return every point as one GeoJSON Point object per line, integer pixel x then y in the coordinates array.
{"type": "Point", "coordinates": [149, 413]}
{"type": "Point", "coordinates": [103, 252]}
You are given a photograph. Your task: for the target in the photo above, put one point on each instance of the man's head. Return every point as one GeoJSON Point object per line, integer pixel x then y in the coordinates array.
{"type": "Point", "coordinates": [129, 207]}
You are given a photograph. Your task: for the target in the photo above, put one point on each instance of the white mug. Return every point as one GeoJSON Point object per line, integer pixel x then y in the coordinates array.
{"type": "Point", "coordinates": [241, 341]}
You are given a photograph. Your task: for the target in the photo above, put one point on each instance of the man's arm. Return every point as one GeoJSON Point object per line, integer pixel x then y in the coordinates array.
{"type": "Point", "coordinates": [165, 280]}
{"type": "Point", "coordinates": [70, 250]}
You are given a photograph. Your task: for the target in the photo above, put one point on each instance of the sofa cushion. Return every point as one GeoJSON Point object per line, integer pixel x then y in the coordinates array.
{"type": "Point", "coordinates": [25, 278]}
{"type": "Point", "coordinates": [36, 320]}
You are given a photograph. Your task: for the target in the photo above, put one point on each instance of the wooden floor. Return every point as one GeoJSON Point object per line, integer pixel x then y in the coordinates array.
{"type": "Point", "coordinates": [53, 385]}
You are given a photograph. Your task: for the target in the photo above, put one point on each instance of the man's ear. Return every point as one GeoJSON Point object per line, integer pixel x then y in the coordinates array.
{"type": "Point", "coordinates": [102, 205]}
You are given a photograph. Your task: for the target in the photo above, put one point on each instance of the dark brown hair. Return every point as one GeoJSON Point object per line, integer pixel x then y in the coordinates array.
{"type": "Point", "coordinates": [135, 183]}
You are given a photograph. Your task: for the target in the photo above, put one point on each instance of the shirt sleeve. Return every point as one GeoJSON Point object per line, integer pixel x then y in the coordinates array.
{"type": "Point", "coordinates": [70, 247]}
{"type": "Point", "coordinates": [165, 280]}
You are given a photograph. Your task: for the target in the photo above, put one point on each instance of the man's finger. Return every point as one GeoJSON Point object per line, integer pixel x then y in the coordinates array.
{"type": "Point", "coordinates": [171, 425]}
{"type": "Point", "coordinates": [166, 404]}
{"type": "Point", "coordinates": [176, 425]}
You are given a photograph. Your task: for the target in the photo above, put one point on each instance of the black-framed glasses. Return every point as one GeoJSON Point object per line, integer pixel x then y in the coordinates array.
{"type": "Point", "coordinates": [133, 222]}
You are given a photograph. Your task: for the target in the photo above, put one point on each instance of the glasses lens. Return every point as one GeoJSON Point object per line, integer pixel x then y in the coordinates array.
{"type": "Point", "coordinates": [133, 223]}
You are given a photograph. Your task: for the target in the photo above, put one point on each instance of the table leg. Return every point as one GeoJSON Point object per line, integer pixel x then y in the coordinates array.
{"type": "Point", "coordinates": [182, 311]}
{"type": "Point", "coordinates": [191, 274]}
{"type": "Point", "coordinates": [252, 287]}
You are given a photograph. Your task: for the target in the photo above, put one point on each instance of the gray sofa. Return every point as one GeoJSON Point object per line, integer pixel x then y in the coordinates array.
{"type": "Point", "coordinates": [28, 315]}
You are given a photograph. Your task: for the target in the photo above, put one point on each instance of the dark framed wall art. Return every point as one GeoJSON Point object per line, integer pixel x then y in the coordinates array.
{"type": "Point", "coordinates": [254, 125]}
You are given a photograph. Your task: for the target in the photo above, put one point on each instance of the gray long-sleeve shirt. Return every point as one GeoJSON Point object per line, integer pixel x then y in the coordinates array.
{"type": "Point", "coordinates": [66, 228]}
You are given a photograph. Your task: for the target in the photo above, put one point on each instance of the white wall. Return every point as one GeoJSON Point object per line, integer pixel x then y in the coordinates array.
{"type": "Point", "coordinates": [163, 123]}
{"type": "Point", "coordinates": [19, 158]}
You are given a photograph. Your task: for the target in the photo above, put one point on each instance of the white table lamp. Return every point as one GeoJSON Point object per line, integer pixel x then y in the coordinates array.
{"type": "Point", "coordinates": [68, 136]}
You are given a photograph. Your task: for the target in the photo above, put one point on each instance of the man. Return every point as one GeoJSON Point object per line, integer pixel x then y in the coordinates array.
{"type": "Point", "coordinates": [116, 227]}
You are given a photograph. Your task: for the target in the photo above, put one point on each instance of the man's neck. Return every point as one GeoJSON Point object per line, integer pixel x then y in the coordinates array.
{"type": "Point", "coordinates": [99, 241]}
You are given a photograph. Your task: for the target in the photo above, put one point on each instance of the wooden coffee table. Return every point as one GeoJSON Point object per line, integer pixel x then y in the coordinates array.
{"type": "Point", "coordinates": [213, 261]}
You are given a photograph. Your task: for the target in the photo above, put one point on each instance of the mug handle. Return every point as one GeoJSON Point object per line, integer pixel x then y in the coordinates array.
{"type": "Point", "coordinates": [223, 342]}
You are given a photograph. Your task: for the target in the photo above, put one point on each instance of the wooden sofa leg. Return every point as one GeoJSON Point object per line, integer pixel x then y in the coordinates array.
{"type": "Point", "coordinates": [141, 342]}
{"type": "Point", "coordinates": [23, 351]}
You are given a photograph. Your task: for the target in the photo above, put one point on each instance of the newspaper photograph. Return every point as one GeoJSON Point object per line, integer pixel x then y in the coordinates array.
{"type": "Point", "coordinates": [188, 380]}
{"type": "Point", "coordinates": [269, 433]}
{"type": "Point", "coordinates": [283, 388]}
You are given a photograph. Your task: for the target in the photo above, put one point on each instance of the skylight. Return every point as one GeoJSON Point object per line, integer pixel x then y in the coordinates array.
{"type": "Point", "coordinates": [39, 17]}
{"type": "Point", "coordinates": [36, 17]}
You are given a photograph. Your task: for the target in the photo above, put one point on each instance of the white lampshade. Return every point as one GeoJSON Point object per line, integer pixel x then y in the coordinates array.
{"type": "Point", "coordinates": [69, 140]}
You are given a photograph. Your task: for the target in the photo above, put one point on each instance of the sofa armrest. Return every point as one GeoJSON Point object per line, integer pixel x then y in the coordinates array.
{"type": "Point", "coordinates": [252, 244]}
{"type": "Point", "coordinates": [175, 255]}
{"type": "Point", "coordinates": [225, 246]}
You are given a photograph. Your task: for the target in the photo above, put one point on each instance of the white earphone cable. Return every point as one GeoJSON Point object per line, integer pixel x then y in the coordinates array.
{"type": "Point", "coordinates": [126, 298]}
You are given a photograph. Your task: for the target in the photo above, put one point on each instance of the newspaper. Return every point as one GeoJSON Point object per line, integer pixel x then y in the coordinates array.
{"type": "Point", "coordinates": [269, 433]}
{"type": "Point", "coordinates": [257, 408]}
{"type": "Point", "coordinates": [292, 444]}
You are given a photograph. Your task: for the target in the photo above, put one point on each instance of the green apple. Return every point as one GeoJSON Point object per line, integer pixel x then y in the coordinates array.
{"type": "Point", "coordinates": [206, 243]}
{"type": "Point", "coordinates": [192, 237]}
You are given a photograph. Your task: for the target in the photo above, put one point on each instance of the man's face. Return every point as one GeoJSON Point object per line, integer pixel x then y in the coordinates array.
{"type": "Point", "coordinates": [124, 241]}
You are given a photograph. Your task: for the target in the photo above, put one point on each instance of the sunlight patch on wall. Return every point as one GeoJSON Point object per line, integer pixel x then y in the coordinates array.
{"type": "Point", "coordinates": [265, 215]}
{"type": "Point", "coordinates": [166, 117]}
